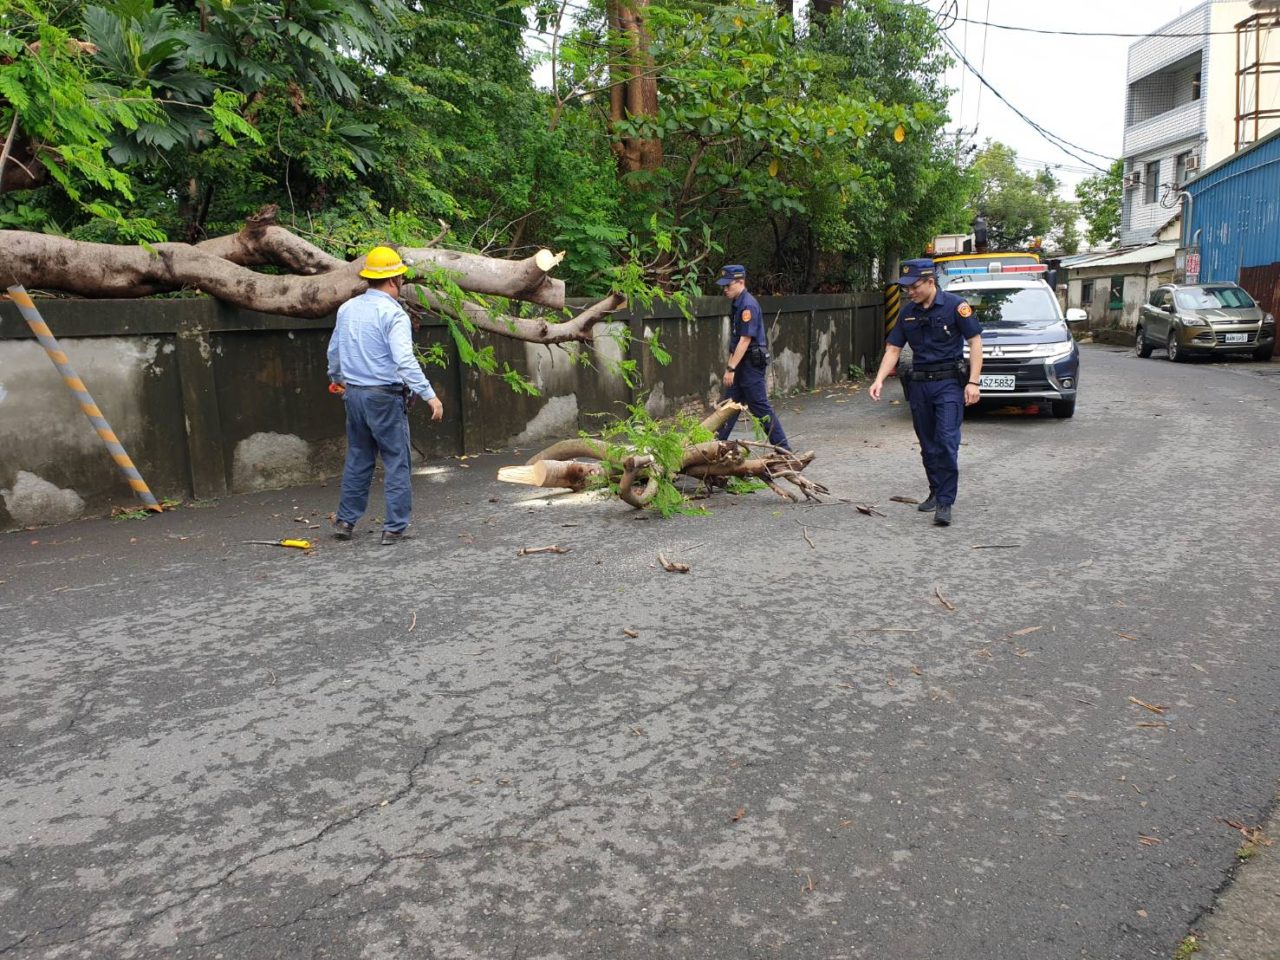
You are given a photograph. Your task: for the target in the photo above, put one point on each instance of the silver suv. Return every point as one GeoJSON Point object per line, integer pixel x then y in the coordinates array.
{"type": "Point", "coordinates": [1208, 319]}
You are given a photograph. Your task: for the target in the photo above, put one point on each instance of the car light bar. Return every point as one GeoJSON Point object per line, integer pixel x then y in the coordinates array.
{"type": "Point", "coordinates": [996, 268]}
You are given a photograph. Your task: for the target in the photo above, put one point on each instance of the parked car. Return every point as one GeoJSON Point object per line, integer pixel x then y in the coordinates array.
{"type": "Point", "coordinates": [1202, 320]}
{"type": "Point", "coordinates": [1028, 353]}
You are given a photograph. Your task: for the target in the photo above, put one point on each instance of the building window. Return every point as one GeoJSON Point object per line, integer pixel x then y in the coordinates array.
{"type": "Point", "coordinates": [1195, 86]}
{"type": "Point", "coordinates": [1115, 299]}
{"type": "Point", "coordinates": [1086, 293]}
{"type": "Point", "coordinates": [1180, 168]}
{"type": "Point", "coordinates": [1151, 180]}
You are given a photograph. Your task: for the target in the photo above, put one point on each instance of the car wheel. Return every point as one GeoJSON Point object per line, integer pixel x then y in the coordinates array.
{"type": "Point", "coordinates": [1064, 409]}
{"type": "Point", "coordinates": [1265, 353]}
{"type": "Point", "coordinates": [1174, 348]}
{"type": "Point", "coordinates": [1141, 345]}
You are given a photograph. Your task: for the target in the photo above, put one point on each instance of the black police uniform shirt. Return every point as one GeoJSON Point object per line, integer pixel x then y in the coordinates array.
{"type": "Point", "coordinates": [936, 335]}
{"type": "Point", "coordinates": [748, 321]}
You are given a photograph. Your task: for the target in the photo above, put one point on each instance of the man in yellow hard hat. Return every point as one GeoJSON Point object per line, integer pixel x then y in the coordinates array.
{"type": "Point", "coordinates": [371, 356]}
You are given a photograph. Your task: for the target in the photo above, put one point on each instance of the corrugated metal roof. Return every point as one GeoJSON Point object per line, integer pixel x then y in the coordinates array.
{"type": "Point", "coordinates": [1080, 259]}
{"type": "Point", "coordinates": [1236, 211]}
{"type": "Point", "coordinates": [1131, 258]}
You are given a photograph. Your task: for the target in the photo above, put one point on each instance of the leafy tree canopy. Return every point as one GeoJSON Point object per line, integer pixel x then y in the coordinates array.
{"type": "Point", "coordinates": [1021, 207]}
{"type": "Point", "coordinates": [808, 156]}
{"type": "Point", "coordinates": [1100, 197]}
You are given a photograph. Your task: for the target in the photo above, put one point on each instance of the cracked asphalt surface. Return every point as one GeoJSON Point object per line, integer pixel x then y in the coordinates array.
{"type": "Point", "coordinates": [443, 750]}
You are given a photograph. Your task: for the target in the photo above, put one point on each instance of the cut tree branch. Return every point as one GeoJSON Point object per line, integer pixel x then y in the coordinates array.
{"type": "Point", "coordinates": [313, 284]}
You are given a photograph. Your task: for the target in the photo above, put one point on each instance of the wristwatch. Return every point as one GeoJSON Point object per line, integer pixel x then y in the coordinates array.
{"type": "Point", "coordinates": [731, 369]}
{"type": "Point", "coordinates": [974, 383]}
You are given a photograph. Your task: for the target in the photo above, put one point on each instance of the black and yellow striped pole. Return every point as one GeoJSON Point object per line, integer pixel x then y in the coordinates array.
{"type": "Point", "coordinates": [51, 346]}
{"type": "Point", "coordinates": [892, 299]}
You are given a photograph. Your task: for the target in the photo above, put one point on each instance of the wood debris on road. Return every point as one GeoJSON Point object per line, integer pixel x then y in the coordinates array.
{"type": "Point", "coordinates": [1153, 707]}
{"type": "Point", "coordinates": [530, 551]}
{"type": "Point", "coordinates": [672, 566]}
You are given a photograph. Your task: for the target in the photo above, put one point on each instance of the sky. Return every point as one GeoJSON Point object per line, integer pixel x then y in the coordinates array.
{"type": "Point", "coordinates": [1072, 86]}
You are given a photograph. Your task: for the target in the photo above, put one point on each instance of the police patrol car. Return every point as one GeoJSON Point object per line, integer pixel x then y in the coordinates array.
{"type": "Point", "coordinates": [1028, 353]}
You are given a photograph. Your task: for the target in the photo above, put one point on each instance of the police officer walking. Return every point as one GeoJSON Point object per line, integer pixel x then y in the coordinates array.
{"type": "Point", "coordinates": [937, 324]}
{"type": "Point", "coordinates": [744, 374]}
{"type": "Point", "coordinates": [371, 356]}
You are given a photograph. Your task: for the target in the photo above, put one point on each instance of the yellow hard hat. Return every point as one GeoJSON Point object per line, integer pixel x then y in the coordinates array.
{"type": "Point", "coordinates": [382, 262]}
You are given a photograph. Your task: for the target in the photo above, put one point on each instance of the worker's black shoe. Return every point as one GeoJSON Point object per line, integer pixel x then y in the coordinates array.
{"type": "Point", "coordinates": [390, 536]}
{"type": "Point", "coordinates": [928, 505]}
{"type": "Point", "coordinates": [942, 516]}
{"type": "Point", "coordinates": [342, 530]}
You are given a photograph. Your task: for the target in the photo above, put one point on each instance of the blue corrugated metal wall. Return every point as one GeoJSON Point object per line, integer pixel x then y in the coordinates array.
{"type": "Point", "coordinates": [1237, 211]}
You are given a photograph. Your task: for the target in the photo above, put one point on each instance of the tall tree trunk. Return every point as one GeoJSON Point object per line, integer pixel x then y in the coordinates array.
{"type": "Point", "coordinates": [634, 86]}
{"type": "Point", "coordinates": [822, 8]}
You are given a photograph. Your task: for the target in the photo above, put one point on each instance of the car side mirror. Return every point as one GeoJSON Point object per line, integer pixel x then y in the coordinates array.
{"type": "Point", "coordinates": [1169, 309]}
{"type": "Point", "coordinates": [1076, 315]}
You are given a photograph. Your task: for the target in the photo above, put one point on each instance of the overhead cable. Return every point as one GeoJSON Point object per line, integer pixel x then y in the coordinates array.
{"type": "Point", "coordinates": [1066, 146]}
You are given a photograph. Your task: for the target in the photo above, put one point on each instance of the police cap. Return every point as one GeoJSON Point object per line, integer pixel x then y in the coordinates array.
{"type": "Point", "coordinates": [730, 273]}
{"type": "Point", "coordinates": [913, 271]}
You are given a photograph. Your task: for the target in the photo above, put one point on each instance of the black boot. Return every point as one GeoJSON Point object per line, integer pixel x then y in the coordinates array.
{"type": "Point", "coordinates": [928, 505]}
{"type": "Point", "coordinates": [942, 516]}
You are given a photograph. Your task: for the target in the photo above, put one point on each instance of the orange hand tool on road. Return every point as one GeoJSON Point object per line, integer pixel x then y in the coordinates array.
{"type": "Point", "coordinates": [298, 544]}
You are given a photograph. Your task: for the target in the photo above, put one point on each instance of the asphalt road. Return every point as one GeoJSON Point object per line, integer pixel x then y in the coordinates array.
{"type": "Point", "coordinates": [443, 750]}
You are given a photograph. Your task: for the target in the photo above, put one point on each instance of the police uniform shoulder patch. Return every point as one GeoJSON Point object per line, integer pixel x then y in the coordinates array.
{"type": "Point", "coordinates": [746, 315]}
{"type": "Point", "coordinates": [963, 309]}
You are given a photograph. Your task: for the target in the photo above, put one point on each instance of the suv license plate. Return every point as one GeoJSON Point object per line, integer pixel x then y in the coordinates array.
{"type": "Point", "coordinates": [1002, 381]}
{"type": "Point", "coordinates": [1235, 338]}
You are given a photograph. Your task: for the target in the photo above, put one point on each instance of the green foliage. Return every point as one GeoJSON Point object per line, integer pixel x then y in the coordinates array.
{"type": "Point", "coordinates": [66, 114]}
{"type": "Point", "coordinates": [1100, 198]}
{"type": "Point", "coordinates": [368, 121]}
{"type": "Point", "coordinates": [741, 486]}
{"type": "Point", "coordinates": [666, 441]}
{"type": "Point", "coordinates": [1020, 207]}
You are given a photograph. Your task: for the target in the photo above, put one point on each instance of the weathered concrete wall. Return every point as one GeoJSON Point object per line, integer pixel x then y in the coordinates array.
{"type": "Point", "coordinates": [208, 399]}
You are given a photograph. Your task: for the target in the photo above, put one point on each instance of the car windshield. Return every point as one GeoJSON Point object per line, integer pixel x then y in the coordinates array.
{"type": "Point", "coordinates": [1011, 304]}
{"type": "Point", "coordinates": [1213, 298]}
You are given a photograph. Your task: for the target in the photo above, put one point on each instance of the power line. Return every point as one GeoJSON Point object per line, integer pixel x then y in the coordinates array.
{"type": "Point", "coordinates": [1090, 33]}
{"type": "Point", "coordinates": [964, 43]}
{"type": "Point", "coordinates": [1049, 136]}
{"type": "Point", "coordinates": [982, 64]}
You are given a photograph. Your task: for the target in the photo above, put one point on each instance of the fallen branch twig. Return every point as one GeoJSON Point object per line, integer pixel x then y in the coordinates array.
{"type": "Point", "coordinates": [671, 566]}
{"type": "Point", "coordinates": [529, 551]}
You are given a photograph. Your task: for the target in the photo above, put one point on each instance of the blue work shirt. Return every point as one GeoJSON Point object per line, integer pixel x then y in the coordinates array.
{"type": "Point", "coordinates": [372, 345]}
{"type": "Point", "coordinates": [936, 335]}
{"type": "Point", "coordinates": [748, 321]}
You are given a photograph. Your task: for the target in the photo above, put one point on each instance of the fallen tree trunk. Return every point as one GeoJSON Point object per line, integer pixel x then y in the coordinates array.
{"type": "Point", "coordinates": [638, 476]}
{"type": "Point", "coordinates": [314, 284]}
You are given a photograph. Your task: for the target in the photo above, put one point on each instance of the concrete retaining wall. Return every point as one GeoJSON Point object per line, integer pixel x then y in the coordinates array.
{"type": "Point", "coordinates": [209, 399]}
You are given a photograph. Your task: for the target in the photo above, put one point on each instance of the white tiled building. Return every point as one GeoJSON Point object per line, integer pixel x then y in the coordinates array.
{"type": "Point", "coordinates": [1180, 110]}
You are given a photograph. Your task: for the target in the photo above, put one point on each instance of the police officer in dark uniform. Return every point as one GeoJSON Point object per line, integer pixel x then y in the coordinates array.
{"type": "Point", "coordinates": [744, 374]}
{"type": "Point", "coordinates": [936, 324]}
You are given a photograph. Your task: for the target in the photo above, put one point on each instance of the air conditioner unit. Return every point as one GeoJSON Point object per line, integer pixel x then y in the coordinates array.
{"type": "Point", "coordinates": [1193, 163]}
{"type": "Point", "coordinates": [1133, 179]}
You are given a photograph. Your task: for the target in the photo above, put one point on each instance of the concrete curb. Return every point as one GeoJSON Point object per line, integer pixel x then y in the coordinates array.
{"type": "Point", "coordinates": [1244, 923]}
